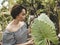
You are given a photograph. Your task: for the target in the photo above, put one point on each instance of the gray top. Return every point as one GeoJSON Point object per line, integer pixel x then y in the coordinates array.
{"type": "Point", "coordinates": [18, 37]}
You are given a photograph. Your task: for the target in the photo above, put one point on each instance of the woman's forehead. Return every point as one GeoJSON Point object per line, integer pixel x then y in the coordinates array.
{"type": "Point", "coordinates": [23, 10]}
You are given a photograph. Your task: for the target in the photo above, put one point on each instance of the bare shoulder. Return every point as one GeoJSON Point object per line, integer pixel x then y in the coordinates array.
{"type": "Point", "coordinates": [12, 28]}
{"type": "Point", "coordinates": [21, 23]}
{"type": "Point", "coordinates": [9, 27]}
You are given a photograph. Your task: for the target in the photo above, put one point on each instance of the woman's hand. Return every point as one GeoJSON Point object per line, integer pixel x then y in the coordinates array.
{"type": "Point", "coordinates": [30, 42]}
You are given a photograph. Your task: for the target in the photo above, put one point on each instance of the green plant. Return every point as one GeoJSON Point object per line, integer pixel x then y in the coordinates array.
{"type": "Point", "coordinates": [4, 20]}
{"type": "Point", "coordinates": [43, 31]}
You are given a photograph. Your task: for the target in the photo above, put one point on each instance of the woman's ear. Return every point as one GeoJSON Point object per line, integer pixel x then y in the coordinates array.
{"type": "Point", "coordinates": [17, 16]}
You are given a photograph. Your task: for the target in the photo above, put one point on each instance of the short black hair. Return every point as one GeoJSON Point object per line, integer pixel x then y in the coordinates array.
{"type": "Point", "coordinates": [16, 9]}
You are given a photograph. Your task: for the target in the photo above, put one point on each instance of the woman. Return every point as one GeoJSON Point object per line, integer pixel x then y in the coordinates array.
{"type": "Point", "coordinates": [16, 32]}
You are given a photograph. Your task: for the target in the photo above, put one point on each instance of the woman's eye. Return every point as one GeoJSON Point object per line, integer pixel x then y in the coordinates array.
{"type": "Point", "coordinates": [23, 14]}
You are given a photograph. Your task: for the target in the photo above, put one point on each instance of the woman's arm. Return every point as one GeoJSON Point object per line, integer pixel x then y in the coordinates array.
{"type": "Point", "coordinates": [30, 42]}
{"type": "Point", "coordinates": [30, 39]}
{"type": "Point", "coordinates": [8, 38]}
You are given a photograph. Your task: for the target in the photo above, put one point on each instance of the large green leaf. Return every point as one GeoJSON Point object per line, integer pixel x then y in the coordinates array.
{"type": "Point", "coordinates": [43, 29]}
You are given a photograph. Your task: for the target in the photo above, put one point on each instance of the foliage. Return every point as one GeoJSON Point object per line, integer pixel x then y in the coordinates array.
{"type": "Point", "coordinates": [43, 31]}
{"type": "Point", "coordinates": [4, 20]}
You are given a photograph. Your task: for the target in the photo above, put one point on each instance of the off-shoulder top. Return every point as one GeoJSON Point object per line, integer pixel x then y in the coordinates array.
{"type": "Point", "coordinates": [18, 37]}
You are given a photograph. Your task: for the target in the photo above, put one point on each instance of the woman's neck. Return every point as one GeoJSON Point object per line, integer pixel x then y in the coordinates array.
{"type": "Point", "coordinates": [15, 21]}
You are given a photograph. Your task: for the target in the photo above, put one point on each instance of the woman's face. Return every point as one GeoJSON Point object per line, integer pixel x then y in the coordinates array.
{"type": "Point", "coordinates": [22, 15]}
